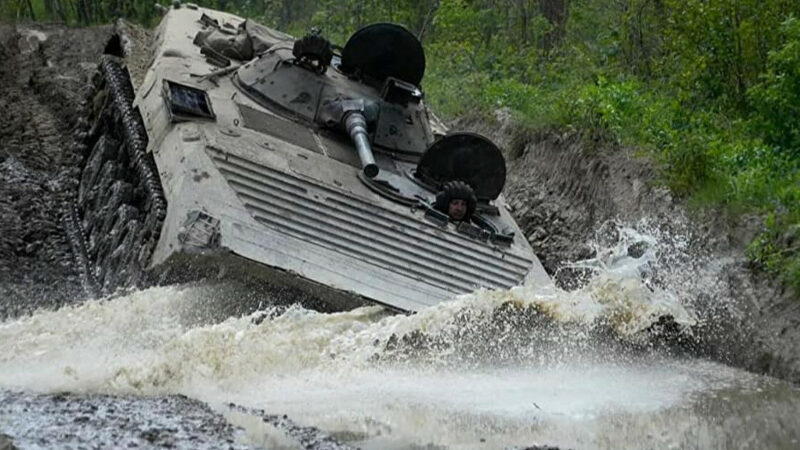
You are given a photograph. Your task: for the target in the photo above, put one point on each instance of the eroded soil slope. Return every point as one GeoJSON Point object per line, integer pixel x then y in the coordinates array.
{"type": "Point", "coordinates": [43, 74]}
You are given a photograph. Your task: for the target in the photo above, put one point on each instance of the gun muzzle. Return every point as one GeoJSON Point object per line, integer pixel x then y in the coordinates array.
{"type": "Point", "coordinates": [356, 126]}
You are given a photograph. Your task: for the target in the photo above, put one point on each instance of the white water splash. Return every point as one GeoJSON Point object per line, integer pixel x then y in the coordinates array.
{"type": "Point", "coordinates": [489, 369]}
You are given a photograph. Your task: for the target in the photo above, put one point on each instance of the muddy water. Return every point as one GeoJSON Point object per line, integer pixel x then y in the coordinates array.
{"type": "Point", "coordinates": [532, 365]}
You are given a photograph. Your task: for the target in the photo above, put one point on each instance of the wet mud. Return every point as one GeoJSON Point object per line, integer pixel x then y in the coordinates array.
{"type": "Point", "coordinates": [43, 72]}
{"type": "Point", "coordinates": [62, 420]}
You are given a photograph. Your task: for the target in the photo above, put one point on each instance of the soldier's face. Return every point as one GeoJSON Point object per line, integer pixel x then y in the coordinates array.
{"type": "Point", "coordinates": [457, 209]}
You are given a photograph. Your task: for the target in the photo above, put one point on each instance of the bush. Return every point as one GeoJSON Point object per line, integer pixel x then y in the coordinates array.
{"type": "Point", "coordinates": [776, 98]}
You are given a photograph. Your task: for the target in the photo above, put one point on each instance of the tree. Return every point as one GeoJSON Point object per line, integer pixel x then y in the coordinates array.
{"type": "Point", "coordinates": [556, 12]}
{"type": "Point", "coordinates": [776, 98]}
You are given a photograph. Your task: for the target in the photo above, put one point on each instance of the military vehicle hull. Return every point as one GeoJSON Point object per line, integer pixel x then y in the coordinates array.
{"type": "Point", "coordinates": [241, 187]}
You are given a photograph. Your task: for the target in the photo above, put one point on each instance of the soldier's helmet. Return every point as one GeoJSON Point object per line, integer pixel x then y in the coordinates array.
{"type": "Point", "coordinates": [456, 190]}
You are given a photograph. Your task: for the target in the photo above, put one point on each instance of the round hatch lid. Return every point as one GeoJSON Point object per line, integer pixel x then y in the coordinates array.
{"type": "Point", "coordinates": [384, 50]}
{"type": "Point", "coordinates": [467, 157]}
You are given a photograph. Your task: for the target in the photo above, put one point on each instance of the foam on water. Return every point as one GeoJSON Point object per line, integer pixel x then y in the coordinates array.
{"type": "Point", "coordinates": [489, 369]}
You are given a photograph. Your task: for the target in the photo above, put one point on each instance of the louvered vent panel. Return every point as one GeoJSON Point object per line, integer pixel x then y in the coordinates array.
{"type": "Point", "coordinates": [372, 234]}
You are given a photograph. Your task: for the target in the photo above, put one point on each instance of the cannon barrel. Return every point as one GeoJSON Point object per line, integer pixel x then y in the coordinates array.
{"type": "Point", "coordinates": [356, 126]}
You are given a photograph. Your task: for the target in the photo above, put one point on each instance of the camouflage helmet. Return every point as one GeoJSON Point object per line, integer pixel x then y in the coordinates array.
{"type": "Point", "coordinates": [456, 190]}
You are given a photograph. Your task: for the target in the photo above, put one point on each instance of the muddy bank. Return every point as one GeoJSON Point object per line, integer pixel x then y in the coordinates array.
{"type": "Point", "coordinates": [64, 420]}
{"type": "Point", "coordinates": [567, 194]}
{"type": "Point", "coordinates": [42, 76]}
{"type": "Point", "coordinates": [94, 421]}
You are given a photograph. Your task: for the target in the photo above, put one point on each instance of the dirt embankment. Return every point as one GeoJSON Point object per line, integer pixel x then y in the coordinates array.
{"type": "Point", "coordinates": [563, 191]}
{"type": "Point", "coordinates": [43, 74]}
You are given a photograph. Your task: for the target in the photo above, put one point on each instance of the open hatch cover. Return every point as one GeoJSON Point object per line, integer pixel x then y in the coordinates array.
{"type": "Point", "coordinates": [467, 157]}
{"type": "Point", "coordinates": [383, 50]}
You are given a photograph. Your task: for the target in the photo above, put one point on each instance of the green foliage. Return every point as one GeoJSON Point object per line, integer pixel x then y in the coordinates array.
{"type": "Point", "coordinates": [715, 49]}
{"type": "Point", "coordinates": [776, 98]}
{"type": "Point", "coordinates": [80, 12]}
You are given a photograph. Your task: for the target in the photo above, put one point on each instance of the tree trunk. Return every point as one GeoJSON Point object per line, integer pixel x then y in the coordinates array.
{"type": "Point", "coordinates": [524, 20]}
{"type": "Point", "coordinates": [82, 10]}
{"type": "Point", "coordinates": [556, 12]}
{"type": "Point", "coordinates": [427, 20]}
{"type": "Point", "coordinates": [62, 14]}
{"type": "Point", "coordinates": [30, 10]}
{"type": "Point", "coordinates": [739, 66]}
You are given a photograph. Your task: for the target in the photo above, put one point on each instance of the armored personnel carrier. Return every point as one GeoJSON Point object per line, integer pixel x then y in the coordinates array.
{"type": "Point", "coordinates": [246, 152]}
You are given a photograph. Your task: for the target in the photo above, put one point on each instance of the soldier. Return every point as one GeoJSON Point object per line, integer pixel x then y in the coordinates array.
{"type": "Point", "coordinates": [457, 200]}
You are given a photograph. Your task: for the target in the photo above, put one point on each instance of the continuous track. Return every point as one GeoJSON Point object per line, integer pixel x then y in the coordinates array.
{"type": "Point", "coordinates": [116, 219]}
